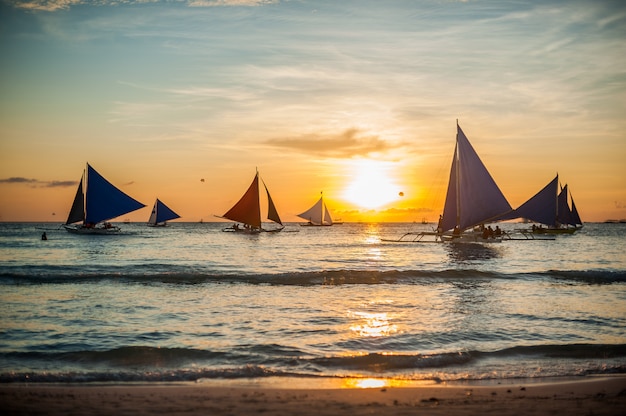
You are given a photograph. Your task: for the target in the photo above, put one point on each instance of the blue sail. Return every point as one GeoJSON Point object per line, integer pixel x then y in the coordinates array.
{"type": "Point", "coordinates": [473, 196]}
{"type": "Point", "coordinates": [104, 201]}
{"type": "Point", "coordinates": [162, 213]}
{"type": "Point", "coordinates": [542, 207]}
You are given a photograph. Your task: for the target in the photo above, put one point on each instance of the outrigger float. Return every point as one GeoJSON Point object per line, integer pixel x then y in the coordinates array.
{"type": "Point", "coordinates": [473, 199]}
{"type": "Point", "coordinates": [468, 237]}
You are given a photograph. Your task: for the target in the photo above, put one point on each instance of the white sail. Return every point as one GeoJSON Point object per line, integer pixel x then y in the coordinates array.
{"type": "Point", "coordinates": [318, 214]}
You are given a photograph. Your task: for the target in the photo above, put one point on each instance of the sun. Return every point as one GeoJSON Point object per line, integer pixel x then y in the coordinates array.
{"type": "Point", "coordinates": [372, 187]}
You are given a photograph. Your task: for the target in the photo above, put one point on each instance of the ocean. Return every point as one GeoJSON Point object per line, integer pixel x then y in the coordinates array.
{"type": "Point", "coordinates": [191, 303]}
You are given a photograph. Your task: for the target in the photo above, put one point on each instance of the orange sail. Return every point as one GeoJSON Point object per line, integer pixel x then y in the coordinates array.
{"type": "Point", "coordinates": [248, 209]}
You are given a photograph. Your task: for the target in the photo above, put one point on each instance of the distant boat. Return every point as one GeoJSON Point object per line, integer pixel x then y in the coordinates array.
{"type": "Point", "coordinates": [473, 197]}
{"type": "Point", "coordinates": [161, 213]}
{"type": "Point", "coordinates": [317, 215]}
{"type": "Point", "coordinates": [96, 202]}
{"type": "Point", "coordinates": [247, 211]}
{"type": "Point", "coordinates": [550, 208]}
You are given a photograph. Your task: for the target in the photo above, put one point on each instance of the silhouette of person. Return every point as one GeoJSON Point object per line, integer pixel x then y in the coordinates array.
{"type": "Point", "coordinates": [44, 236]}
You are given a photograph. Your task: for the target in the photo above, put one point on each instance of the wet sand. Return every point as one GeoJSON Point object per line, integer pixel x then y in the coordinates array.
{"type": "Point", "coordinates": [587, 396]}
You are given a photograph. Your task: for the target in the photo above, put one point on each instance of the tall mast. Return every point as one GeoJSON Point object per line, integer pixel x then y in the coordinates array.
{"type": "Point", "coordinates": [458, 181]}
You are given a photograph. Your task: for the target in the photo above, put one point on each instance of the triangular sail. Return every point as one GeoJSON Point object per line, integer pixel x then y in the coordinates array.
{"type": "Point", "coordinates": [104, 201]}
{"type": "Point", "coordinates": [247, 210]}
{"type": "Point", "coordinates": [327, 218]}
{"type": "Point", "coordinates": [161, 213]}
{"type": "Point", "coordinates": [575, 217]}
{"type": "Point", "coordinates": [542, 207]}
{"type": "Point", "coordinates": [272, 212]}
{"type": "Point", "coordinates": [473, 196]}
{"type": "Point", "coordinates": [564, 214]}
{"type": "Point", "coordinates": [77, 212]}
{"type": "Point", "coordinates": [450, 209]}
{"type": "Point", "coordinates": [314, 214]}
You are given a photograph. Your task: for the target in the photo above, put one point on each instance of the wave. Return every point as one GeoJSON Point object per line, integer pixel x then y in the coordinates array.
{"type": "Point", "coordinates": [140, 363]}
{"type": "Point", "coordinates": [169, 274]}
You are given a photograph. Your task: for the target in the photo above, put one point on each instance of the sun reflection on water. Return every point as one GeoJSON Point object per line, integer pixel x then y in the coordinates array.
{"type": "Point", "coordinates": [376, 383]}
{"type": "Point", "coordinates": [372, 324]}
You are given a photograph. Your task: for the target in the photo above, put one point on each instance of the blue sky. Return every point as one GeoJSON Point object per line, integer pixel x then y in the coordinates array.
{"type": "Point", "coordinates": [157, 94]}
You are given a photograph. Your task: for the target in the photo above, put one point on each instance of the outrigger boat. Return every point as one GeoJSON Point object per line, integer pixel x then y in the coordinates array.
{"type": "Point", "coordinates": [161, 213]}
{"type": "Point", "coordinates": [96, 202]}
{"type": "Point", "coordinates": [247, 211]}
{"type": "Point", "coordinates": [551, 209]}
{"type": "Point", "coordinates": [317, 215]}
{"type": "Point", "coordinates": [473, 199]}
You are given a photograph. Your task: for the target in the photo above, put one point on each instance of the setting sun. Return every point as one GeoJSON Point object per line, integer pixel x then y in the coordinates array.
{"type": "Point", "coordinates": [372, 186]}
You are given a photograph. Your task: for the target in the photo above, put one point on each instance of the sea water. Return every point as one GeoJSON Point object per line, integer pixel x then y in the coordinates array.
{"type": "Point", "coordinates": [189, 302]}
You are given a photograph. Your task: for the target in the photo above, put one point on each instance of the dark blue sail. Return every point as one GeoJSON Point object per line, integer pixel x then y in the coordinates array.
{"type": "Point", "coordinates": [542, 207]}
{"type": "Point", "coordinates": [161, 213]}
{"type": "Point", "coordinates": [104, 201]}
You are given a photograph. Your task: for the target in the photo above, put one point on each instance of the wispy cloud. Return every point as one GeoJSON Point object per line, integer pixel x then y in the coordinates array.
{"type": "Point", "coordinates": [350, 143]}
{"type": "Point", "coordinates": [36, 183]}
{"type": "Point", "coordinates": [213, 3]}
{"type": "Point", "coordinates": [55, 5]}
{"type": "Point", "coordinates": [18, 180]}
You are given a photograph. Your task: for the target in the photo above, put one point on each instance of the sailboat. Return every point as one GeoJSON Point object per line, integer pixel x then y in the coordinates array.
{"type": "Point", "coordinates": [550, 207]}
{"type": "Point", "coordinates": [161, 213]}
{"type": "Point", "coordinates": [247, 211]}
{"type": "Point", "coordinates": [317, 215]}
{"type": "Point", "coordinates": [472, 199]}
{"type": "Point", "coordinates": [96, 202]}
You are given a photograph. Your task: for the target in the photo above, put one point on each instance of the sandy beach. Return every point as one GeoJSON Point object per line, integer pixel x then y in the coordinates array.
{"type": "Point", "coordinates": [588, 396]}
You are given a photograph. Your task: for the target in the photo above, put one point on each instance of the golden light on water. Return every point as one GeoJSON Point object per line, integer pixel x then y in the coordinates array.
{"type": "Point", "coordinates": [370, 324]}
{"type": "Point", "coordinates": [377, 383]}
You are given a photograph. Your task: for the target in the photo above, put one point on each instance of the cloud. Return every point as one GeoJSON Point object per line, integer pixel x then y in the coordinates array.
{"type": "Point", "coordinates": [36, 183]}
{"type": "Point", "coordinates": [45, 5]}
{"type": "Point", "coordinates": [55, 5]}
{"type": "Point", "coordinates": [349, 143]}
{"type": "Point", "coordinates": [213, 3]}
{"type": "Point", "coordinates": [402, 211]}
{"type": "Point", "coordinates": [59, 184]}
{"type": "Point", "coordinates": [18, 180]}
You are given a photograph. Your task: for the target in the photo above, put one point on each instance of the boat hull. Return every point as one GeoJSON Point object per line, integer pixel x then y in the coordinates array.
{"type": "Point", "coordinates": [112, 230]}
{"type": "Point", "coordinates": [250, 230]}
{"type": "Point", "coordinates": [541, 230]}
{"type": "Point", "coordinates": [308, 224]}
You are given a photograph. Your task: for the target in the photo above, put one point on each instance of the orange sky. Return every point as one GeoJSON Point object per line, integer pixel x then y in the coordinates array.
{"type": "Point", "coordinates": [355, 99]}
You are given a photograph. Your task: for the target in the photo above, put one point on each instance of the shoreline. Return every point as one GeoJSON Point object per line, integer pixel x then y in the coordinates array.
{"type": "Point", "coordinates": [597, 395]}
